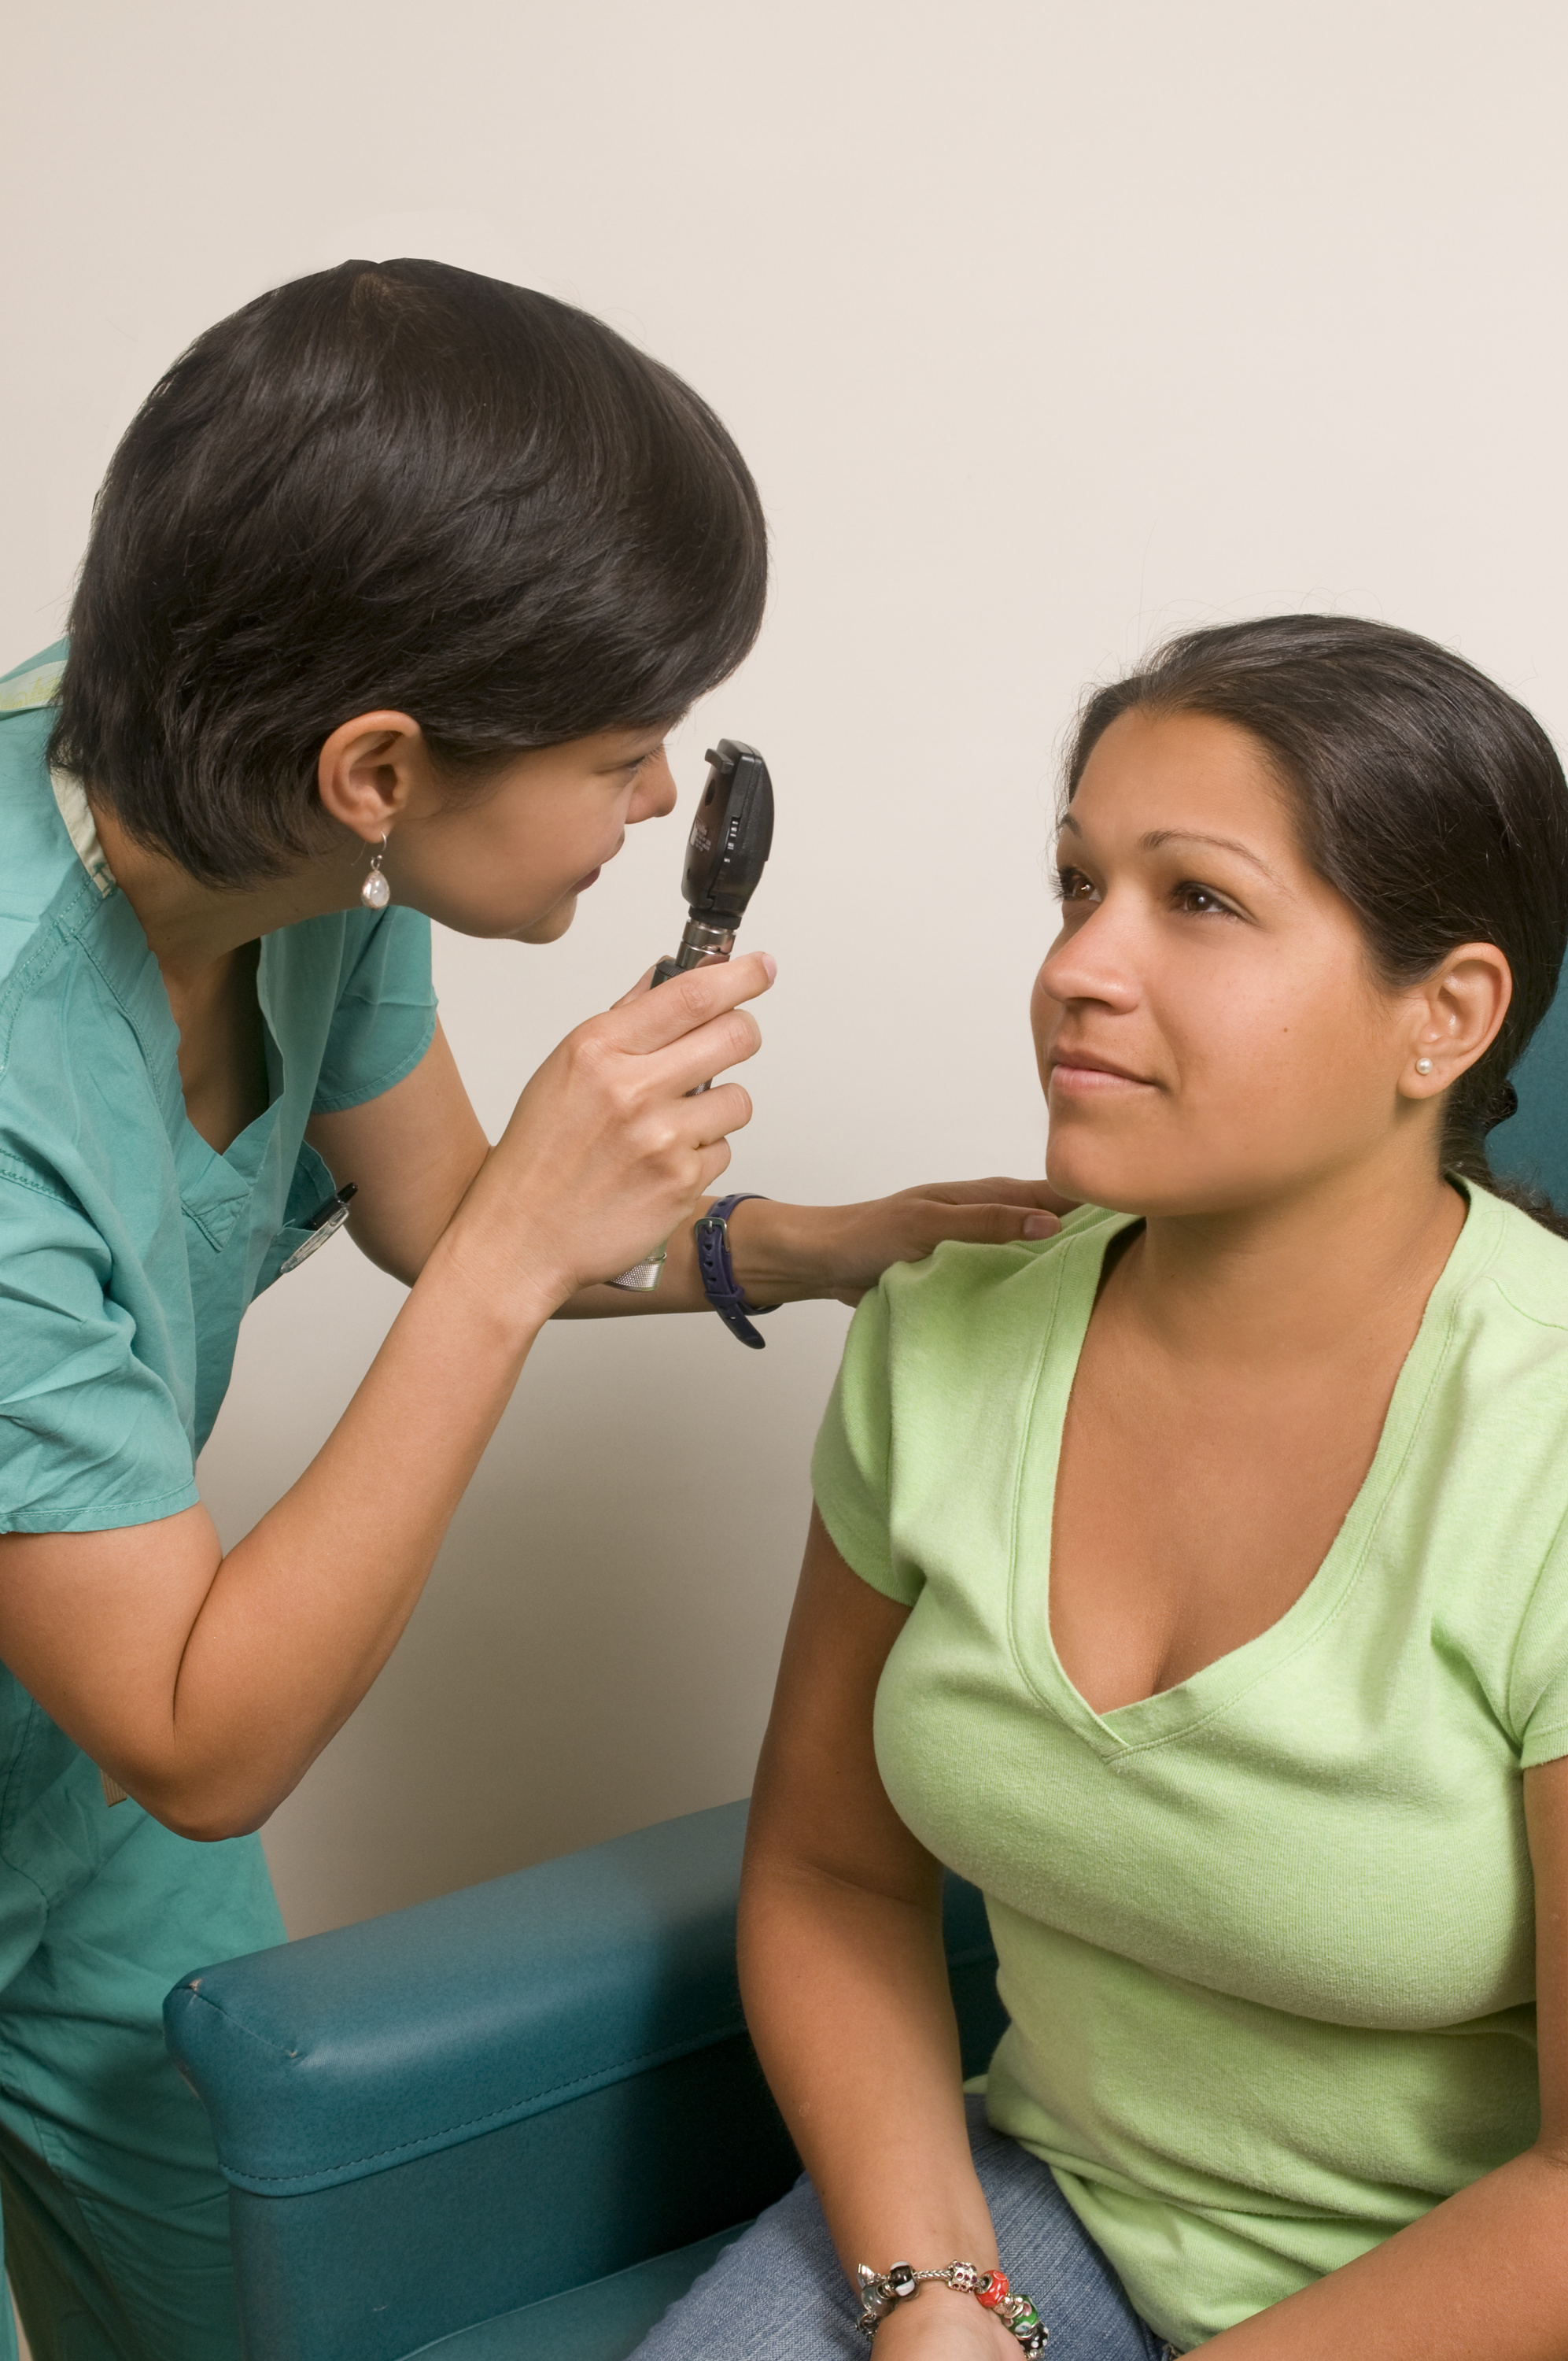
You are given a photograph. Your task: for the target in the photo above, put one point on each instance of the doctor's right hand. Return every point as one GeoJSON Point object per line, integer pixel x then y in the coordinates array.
{"type": "Point", "coordinates": [606, 1153]}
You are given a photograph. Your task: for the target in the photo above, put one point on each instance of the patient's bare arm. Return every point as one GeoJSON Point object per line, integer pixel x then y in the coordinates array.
{"type": "Point", "coordinates": [844, 1976]}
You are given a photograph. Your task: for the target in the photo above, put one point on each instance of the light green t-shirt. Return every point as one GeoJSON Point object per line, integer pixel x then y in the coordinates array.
{"type": "Point", "coordinates": [1266, 1939]}
{"type": "Point", "coordinates": [129, 1248]}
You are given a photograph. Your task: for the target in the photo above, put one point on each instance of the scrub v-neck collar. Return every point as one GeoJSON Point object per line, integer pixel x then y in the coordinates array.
{"type": "Point", "coordinates": [213, 1182]}
{"type": "Point", "coordinates": [75, 810]}
{"type": "Point", "coordinates": [1126, 1729]}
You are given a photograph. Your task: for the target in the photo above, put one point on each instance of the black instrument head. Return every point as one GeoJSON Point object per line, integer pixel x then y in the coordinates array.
{"type": "Point", "coordinates": [732, 835]}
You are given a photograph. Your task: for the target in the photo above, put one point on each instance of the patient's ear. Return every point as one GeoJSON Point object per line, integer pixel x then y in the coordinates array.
{"type": "Point", "coordinates": [1454, 1017]}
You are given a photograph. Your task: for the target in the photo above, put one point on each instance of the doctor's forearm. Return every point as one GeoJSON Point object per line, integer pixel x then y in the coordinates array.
{"type": "Point", "coordinates": [302, 1614]}
{"type": "Point", "coordinates": [784, 1253]}
{"type": "Point", "coordinates": [411, 1155]}
{"type": "Point", "coordinates": [780, 1254]}
{"type": "Point", "coordinates": [211, 1683]}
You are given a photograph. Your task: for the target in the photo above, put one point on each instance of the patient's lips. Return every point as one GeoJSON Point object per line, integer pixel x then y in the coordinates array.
{"type": "Point", "coordinates": [1083, 1073]}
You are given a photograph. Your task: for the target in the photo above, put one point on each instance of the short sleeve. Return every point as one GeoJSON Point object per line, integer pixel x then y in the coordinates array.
{"type": "Point", "coordinates": [1537, 1679]}
{"type": "Point", "coordinates": [91, 1437]}
{"type": "Point", "coordinates": [385, 1016]}
{"type": "Point", "coordinates": [850, 1467]}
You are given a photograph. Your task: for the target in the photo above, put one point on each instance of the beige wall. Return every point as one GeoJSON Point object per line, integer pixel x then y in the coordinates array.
{"type": "Point", "coordinates": [1046, 327]}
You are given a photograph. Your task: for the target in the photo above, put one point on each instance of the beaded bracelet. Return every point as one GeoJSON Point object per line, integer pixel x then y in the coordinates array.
{"type": "Point", "coordinates": [880, 2290]}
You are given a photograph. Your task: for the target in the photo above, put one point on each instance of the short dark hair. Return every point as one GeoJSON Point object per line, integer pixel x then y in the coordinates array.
{"type": "Point", "coordinates": [1428, 798]}
{"type": "Point", "coordinates": [394, 483]}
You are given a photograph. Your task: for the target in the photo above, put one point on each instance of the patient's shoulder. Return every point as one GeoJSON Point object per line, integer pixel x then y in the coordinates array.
{"type": "Point", "coordinates": [1527, 1266]}
{"type": "Point", "coordinates": [960, 1284]}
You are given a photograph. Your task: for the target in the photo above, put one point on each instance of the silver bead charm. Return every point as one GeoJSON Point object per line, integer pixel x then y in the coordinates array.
{"type": "Point", "coordinates": [880, 2291]}
{"type": "Point", "coordinates": [376, 893]}
{"type": "Point", "coordinates": [875, 2299]}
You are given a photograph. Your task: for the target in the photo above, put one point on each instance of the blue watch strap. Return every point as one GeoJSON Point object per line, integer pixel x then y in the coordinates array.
{"type": "Point", "coordinates": [718, 1283]}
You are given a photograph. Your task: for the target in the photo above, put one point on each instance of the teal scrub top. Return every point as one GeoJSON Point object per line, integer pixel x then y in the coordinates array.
{"type": "Point", "coordinates": [129, 1248]}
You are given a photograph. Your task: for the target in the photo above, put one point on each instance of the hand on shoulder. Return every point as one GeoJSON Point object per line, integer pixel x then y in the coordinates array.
{"type": "Point", "coordinates": [787, 1253]}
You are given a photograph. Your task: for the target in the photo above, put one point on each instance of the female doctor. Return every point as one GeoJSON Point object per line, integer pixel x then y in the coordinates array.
{"type": "Point", "coordinates": [394, 587]}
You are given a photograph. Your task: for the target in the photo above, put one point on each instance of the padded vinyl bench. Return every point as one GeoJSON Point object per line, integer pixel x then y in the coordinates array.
{"type": "Point", "coordinates": [512, 2124]}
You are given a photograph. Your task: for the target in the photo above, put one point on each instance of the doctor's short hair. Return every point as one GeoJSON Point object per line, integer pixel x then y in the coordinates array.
{"type": "Point", "coordinates": [394, 483]}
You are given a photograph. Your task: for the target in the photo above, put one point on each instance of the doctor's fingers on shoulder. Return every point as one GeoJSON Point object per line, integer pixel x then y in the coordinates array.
{"type": "Point", "coordinates": [995, 1189]}
{"type": "Point", "coordinates": [908, 1228]}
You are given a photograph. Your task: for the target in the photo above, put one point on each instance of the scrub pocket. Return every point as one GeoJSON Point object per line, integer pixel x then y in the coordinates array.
{"type": "Point", "coordinates": [309, 1189]}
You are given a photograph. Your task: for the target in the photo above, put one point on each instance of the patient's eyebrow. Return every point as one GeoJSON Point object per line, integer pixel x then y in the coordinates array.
{"type": "Point", "coordinates": [1155, 839]}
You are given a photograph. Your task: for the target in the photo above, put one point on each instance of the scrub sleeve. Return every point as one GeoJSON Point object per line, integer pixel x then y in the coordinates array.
{"type": "Point", "coordinates": [130, 1250]}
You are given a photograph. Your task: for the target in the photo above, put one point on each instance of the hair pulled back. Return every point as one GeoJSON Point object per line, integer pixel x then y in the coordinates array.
{"type": "Point", "coordinates": [400, 485]}
{"type": "Point", "coordinates": [1427, 797]}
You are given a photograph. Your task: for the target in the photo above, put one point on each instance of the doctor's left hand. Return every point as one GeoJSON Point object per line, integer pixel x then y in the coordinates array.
{"type": "Point", "coordinates": [783, 1253]}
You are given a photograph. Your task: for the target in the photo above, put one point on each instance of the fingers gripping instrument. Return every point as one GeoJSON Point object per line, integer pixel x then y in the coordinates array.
{"type": "Point", "coordinates": [728, 845]}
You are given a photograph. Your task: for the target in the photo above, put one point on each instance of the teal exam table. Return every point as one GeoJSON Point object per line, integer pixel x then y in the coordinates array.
{"type": "Point", "coordinates": [511, 2125]}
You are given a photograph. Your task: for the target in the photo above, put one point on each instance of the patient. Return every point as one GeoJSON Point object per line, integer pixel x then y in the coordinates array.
{"type": "Point", "coordinates": [1197, 1583]}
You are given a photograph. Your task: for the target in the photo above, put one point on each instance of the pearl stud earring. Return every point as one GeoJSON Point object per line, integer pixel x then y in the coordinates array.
{"type": "Point", "coordinates": [376, 893]}
{"type": "Point", "coordinates": [1423, 1065]}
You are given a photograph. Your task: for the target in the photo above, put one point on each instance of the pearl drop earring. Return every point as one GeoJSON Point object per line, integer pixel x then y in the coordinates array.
{"type": "Point", "coordinates": [376, 893]}
{"type": "Point", "coordinates": [1423, 1065]}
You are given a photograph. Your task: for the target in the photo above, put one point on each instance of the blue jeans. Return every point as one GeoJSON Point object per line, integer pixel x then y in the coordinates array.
{"type": "Point", "coordinates": [778, 2293]}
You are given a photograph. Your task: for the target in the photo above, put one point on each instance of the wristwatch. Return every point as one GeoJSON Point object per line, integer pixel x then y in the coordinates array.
{"type": "Point", "coordinates": [711, 1232]}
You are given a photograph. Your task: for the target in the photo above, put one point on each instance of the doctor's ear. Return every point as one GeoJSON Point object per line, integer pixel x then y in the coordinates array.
{"type": "Point", "coordinates": [370, 769]}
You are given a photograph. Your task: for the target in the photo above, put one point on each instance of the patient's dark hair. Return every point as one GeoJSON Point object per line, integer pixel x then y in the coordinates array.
{"type": "Point", "coordinates": [394, 483]}
{"type": "Point", "coordinates": [1427, 797]}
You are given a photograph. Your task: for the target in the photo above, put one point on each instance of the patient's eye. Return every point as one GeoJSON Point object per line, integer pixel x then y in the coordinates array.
{"type": "Point", "coordinates": [1072, 886]}
{"type": "Point", "coordinates": [1201, 901]}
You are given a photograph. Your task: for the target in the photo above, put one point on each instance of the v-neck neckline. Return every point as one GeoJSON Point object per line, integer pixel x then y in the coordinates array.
{"type": "Point", "coordinates": [208, 1175]}
{"type": "Point", "coordinates": [1125, 1730]}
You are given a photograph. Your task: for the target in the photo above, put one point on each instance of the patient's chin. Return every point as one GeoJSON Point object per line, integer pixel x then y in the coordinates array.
{"type": "Point", "coordinates": [1122, 1184]}
{"type": "Point", "coordinates": [1081, 1169]}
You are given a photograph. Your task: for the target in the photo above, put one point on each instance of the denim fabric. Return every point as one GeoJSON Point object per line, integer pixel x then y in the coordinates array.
{"type": "Point", "coordinates": [778, 2293]}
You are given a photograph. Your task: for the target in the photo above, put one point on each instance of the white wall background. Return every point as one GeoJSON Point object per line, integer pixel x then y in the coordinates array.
{"type": "Point", "coordinates": [1046, 327]}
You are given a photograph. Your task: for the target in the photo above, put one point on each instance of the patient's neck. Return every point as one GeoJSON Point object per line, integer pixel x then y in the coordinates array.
{"type": "Point", "coordinates": [1316, 1271]}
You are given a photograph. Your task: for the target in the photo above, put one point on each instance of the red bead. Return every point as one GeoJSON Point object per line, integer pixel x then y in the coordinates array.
{"type": "Point", "coordinates": [991, 2289]}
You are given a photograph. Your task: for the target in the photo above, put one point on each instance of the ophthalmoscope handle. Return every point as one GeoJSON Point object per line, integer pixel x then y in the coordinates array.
{"type": "Point", "coordinates": [644, 1275]}
{"type": "Point", "coordinates": [727, 850]}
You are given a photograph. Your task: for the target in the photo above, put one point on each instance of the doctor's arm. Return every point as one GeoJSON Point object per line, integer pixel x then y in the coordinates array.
{"type": "Point", "coordinates": [206, 1681]}
{"type": "Point", "coordinates": [414, 1152]}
